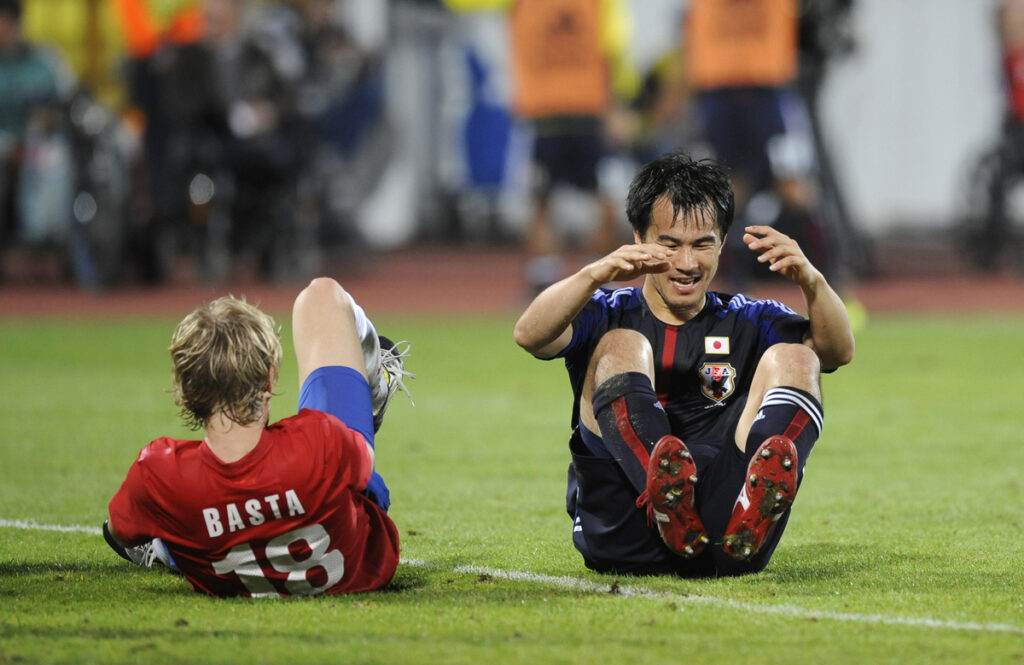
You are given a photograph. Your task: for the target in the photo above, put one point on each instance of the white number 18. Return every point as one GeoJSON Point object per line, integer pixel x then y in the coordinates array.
{"type": "Point", "coordinates": [242, 561]}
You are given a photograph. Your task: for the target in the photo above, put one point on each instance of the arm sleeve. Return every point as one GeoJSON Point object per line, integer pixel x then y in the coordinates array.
{"type": "Point", "coordinates": [130, 514]}
{"type": "Point", "coordinates": [776, 323]}
{"type": "Point", "coordinates": [790, 329]}
{"type": "Point", "coordinates": [584, 323]}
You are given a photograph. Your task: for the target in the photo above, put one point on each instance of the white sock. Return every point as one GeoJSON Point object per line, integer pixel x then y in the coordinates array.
{"type": "Point", "coordinates": [369, 341]}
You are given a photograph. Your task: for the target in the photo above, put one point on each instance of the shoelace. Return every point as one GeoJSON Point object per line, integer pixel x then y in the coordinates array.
{"type": "Point", "coordinates": [150, 556]}
{"type": "Point", "coordinates": [643, 502]}
{"type": "Point", "coordinates": [392, 361]}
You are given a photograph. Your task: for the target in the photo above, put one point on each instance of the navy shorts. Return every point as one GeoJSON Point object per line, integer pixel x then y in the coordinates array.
{"type": "Point", "coordinates": [741, 125]}
{"type": "Point", "coordinates": [568, 152]}
{"type": "Point", "coordinates": [344, 393]}
{"type": "Point", "coordinates": [614, 537]}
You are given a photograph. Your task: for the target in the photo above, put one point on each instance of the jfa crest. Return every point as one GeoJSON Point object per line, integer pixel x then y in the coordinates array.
{"type": "Point", "coordinates": [716, 380]}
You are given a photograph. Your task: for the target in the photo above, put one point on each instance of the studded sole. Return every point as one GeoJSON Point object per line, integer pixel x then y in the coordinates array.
{"type": "Point", "coordinates": [768, 492]}
{"type": "Point", "coordinates": [671, 478]}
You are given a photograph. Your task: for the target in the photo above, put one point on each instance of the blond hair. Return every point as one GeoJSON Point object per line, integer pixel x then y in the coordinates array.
{"type": "Point", "coordinates": [224, 355]}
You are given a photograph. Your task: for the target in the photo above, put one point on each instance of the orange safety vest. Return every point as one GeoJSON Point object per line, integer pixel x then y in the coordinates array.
{"type": "Point", "coordinates": [143, 36]}
{"type": "Point", "coordinates": [558, 66]}
{"type": "Point", "coordinates": [741, 42]}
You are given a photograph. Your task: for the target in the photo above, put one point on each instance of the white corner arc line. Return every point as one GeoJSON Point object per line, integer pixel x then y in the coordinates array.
{"type": "Point", "coordinates": [637, 591]}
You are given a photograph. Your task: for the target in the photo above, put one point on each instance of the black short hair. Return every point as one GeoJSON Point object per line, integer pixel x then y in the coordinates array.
{"type": "Point", "coordinates": [690, 185]}
{"type": "Point", "coordinates": [11, 8]}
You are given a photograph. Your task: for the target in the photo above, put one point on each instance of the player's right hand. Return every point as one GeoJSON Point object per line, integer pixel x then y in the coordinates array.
{"type": "Point", "coordinates": [629, 262]}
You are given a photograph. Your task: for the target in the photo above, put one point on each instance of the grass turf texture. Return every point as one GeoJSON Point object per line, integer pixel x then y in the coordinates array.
{"type": "Point", "coordinates": [905, 544]}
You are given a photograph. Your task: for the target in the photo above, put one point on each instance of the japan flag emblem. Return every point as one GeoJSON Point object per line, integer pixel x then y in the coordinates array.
{"type": "Point", "coordinates": [716, 345]}
{"type": "Point", "coordinates": [717, 380]}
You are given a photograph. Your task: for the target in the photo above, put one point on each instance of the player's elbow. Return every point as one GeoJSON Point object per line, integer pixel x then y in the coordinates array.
{"type": "Point", "coordinates": [527, 337]}
{"type": "Point", "coordinates": [832, 356]}
{"type": "Point", "coordinates": [836, 358]}
{"type": "Point", "coordinates": [524, 336]}
{"type": "Point", "coordinates": [848, 354]}
{"type": "Point", "coordinates": [846, 350]}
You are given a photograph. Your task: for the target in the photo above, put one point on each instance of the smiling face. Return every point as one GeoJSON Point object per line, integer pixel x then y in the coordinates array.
{"type": "Point", "coordinates": [677, 295]}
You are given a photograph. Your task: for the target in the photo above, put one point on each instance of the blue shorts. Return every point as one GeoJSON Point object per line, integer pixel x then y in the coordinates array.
{"type": "Point", "coordinates": [344, 393]}
{"type": "Point", "coordinates": [568, 151]}
{"type": "Point", "coordinates": [614, 537]}
{"type": "Point", "coordinates": [741, 124]}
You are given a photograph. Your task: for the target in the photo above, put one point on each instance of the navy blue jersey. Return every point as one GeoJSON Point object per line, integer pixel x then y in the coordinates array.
{"type": "Point", "coordinates": [703, 372]}
{"type": "Point", "coordinates": [702, 367]}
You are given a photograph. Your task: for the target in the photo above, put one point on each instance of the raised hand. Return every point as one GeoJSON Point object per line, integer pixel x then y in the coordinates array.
{"type": "Point", "coordinates": [782, 254]}
{"type": "Point", "coordinates": [628, 262]}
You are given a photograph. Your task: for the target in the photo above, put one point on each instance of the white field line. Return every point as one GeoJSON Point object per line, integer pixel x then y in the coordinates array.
{"type": "Point", "coordinates": [30, 525]}
{"type": "Point", "coordinates": [638, 591]}
{"type": "Point", "coordinates": [793, 611]}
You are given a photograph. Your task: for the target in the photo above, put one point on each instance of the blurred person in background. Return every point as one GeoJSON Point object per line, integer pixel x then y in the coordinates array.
{"type": "Point", "coordinates": [62, 183]}
{"type": "Point", "coordinates": [1010, 25]}
{"type": "Point", "coordinates": [346, 138]}
{"type": "Point", "coordinates": [569, 71]}
{"type": "Point", "coordinates": [232, 149]}
{"type": "Point", "coordinates": [990, 231]}
{"type": "Point", "coordinates": [147, 34]}
{"type": "Point", "coordinates": [739, 66]}
{"type": "Point", "coordinates": [30, 142]}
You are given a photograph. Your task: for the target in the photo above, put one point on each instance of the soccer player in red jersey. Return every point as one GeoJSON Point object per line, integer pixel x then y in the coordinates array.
{"type": "Point", "coordinates": [260, 509]}
{"type": "Point", "coordinates": [694, 411]}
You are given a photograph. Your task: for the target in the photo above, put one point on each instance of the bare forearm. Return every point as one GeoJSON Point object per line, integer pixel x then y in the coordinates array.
{"type": "Point", "coordinates": [546, 323]}
{"type": "Point", "coordinates": [545, 327]}
{"type": "Point", "coordinates": [830, 336]}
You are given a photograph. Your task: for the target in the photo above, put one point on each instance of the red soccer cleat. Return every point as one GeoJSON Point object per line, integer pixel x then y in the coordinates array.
{"type": "Point", "coordinates": [671, 476]}
{"type": "Point", "coordinates": [767, 493]}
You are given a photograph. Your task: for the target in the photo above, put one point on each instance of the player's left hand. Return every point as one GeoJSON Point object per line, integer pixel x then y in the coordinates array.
{"type": "Point", "coordinates": [782, 254]}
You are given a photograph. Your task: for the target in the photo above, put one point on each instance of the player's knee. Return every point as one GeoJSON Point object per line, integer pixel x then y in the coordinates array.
{"type": "Point", "coordinates": [792, 354]}
{"type": "Point", "coordinates": [621, 351]}
{"type": "Point", "coordinates": [323, 292]}
{"type": "Point", "coordinates": [792, 364]}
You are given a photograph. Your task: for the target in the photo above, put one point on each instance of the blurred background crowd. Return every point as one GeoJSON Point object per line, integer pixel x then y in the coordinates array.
{"type": "Point", "coordinates": [277, 139]}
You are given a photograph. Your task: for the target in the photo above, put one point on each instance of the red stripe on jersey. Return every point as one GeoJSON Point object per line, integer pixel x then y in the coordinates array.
{"type": "Point", "coordinates": [668, 356]}
{"type": "Point", "coordinates": [796, 426]}
{"type": "Point", "coordinates": [628, 433]}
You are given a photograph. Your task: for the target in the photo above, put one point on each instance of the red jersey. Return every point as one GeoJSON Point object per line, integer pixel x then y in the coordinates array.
{"type": "Point", "coordinates": [1013, 66]}
{"type": "Point", "coordinates": [289, 518]}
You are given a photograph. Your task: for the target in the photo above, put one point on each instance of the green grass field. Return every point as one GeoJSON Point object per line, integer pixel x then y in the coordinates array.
{"type": "Point", "coordinates": [906, 543]}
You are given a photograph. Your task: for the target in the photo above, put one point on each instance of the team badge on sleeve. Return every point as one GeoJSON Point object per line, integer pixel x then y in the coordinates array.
{"type": "Point", "coordinates": [717, 380]}
{"type": "Point", "coordinates": [716, 345]}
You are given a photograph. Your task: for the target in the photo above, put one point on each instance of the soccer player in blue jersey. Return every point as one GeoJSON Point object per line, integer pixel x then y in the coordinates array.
{"type": "Point", "coordinates": [694, 411]}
